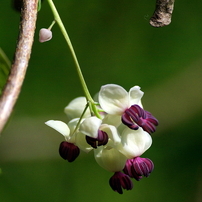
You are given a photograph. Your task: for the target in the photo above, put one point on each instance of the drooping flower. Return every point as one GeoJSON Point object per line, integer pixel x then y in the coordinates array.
{"type": "Point", "coordinates": [122, 153]}
{"type": "Point", "coordinates": [134, 142]}
{"type": "Point", "coordinates": [106, 155]}
{"type": "Point", "coordinates": [70, 148]}
{"type": "Point", "coordinates": [67, 149]}
{"type": "Point", "coordinates": [116, 101]}
{"type": "Point", "coordinates": [129, 143]}
{"type": "Point", "coordinates": [118, 137]}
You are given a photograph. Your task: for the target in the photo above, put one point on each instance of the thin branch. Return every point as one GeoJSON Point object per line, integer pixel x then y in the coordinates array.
{"type": "Point", "coordinates": [22, 55]}
{"type": "Point", "coordinates": [163, 13]}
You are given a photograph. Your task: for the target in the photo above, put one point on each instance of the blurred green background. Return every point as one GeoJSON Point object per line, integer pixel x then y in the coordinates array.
{"type": "Point", "coordinates": [114, 44]}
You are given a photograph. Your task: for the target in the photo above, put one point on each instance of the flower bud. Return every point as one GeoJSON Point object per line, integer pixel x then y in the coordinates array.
{"type": "Point", "coordinates": [143, 166]}
{"type": "Point", "coordinates": [135, 116]}
{"type": "Point", "coordinates": [120, 180]}
{"type": "Point", "coordinates": [45, 35]}
{"type": "Point", "coordinates": [138, 167]}
{"type": "Point", "coordinates": [68, 151]}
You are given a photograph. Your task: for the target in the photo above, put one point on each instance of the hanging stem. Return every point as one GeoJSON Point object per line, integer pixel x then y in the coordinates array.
{"type": "Point", "coordinates": [90, 101]}
{"type": "Point", "coordinates": [50, 27]}
{"type": "Point", "coordinates": [64, 32]}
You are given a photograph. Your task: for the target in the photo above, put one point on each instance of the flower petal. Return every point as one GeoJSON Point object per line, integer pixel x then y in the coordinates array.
{"type": "Point", "coordinates": [114, 120]}
{"type": "Point", "coordinates": [59, 126]}
{"type": "Point", "coordinates": [134, 142]}
{"type": "Point", "coordinates": [135, 95]}
{"type": "Point", "coordinates": [113, 99]}
{"type": "Point", "coordinates": [80, 141]}
{"type": "Point", "coordinates": [109, 158]}
{"type": "Point", "coordinates": [111, 132]}
{"type": "Point", "coordinates": [75, 108]}
{"type": "Point", "coordinates": [72, 126]}
{"type": "Point", "coordinates": [90, 126]}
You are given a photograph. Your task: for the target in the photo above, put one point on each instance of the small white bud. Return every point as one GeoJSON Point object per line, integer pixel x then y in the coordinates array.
{"type": "Point", "coordinates": [45, 35]}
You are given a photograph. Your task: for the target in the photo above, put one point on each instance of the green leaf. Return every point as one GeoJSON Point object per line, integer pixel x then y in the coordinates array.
{"type": "Point", "coordinates": [5, 65]}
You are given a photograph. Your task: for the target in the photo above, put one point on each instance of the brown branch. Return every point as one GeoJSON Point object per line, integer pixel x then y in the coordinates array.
{"type": "Point", "coordinates": [22, 55]}
{"type": "Point", "coordinates": [163, 13]}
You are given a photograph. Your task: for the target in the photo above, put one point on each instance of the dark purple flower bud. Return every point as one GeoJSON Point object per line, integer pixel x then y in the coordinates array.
{"type": "Point", "coordinates": [102, 139]}
{"type": "Point", "coordinates": [136, 117]}
{"type": "Point", "coordinates": [143, 166]}
{"type": "Point", "coordinates": [68, 151]}
{"type": "Point", "coordinates": [128, 170]}
{"type": "Point", "coordinates": [120, 180]}
{"type": "Point", "coordinates": [138, 167]}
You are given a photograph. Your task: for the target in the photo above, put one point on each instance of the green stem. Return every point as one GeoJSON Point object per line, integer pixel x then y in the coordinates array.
{"type": "Point", "coordinates": [50, 27]}
{"type": "Point", "coordinates": [64, 32]}
{"type": "Point", "coordinates": [82, 115]}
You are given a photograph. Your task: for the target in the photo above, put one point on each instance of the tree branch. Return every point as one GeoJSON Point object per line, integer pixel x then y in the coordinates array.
{"type": "Point", "coordinates": [22, 55]}
{"type": "Point", "coordinates": [163, 13]}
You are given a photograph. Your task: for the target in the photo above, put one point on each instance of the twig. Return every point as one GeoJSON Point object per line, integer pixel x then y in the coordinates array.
{"type": "Point", "coordinates": [163, 13]}
{"type": "Point", "coordinates": [22, 55]}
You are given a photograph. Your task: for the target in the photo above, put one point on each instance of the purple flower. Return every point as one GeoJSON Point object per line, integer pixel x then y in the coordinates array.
{"type": "Point", "coordinates": [120, 180]}
{"type": "Point", "coordinates": [138, 167]}
{"type": "Point", "coordinates": [68, 151]}
{"type": "Point", "coordinates": [101, 139]}
{"type": "Point", "coordinates": [135, 117]}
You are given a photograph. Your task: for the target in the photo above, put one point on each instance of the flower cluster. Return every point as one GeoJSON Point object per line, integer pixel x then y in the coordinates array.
{"type": "Point", "coordinates": [118, 137]}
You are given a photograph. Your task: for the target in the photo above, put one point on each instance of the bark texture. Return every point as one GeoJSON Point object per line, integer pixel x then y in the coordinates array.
{"type": "Point", "coordinates": [163, 13]}
{"type": "Point", "coordinates": [22, 55]}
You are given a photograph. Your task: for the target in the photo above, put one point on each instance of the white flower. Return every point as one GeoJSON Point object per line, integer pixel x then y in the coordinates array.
{"type": "Point", "coordinates": [115, 100]}
{"type": "Point", "coordinates": [118, 137]}
{"type": "Point", "coordinates": [61, 127]}
{"type": "Point", "coordinates": [121, 146]}
{"type": "Point", "coordinates": [75, 108]}
{"type": "Point", "coordinates": [110, 119]}
{"type": "Point", "coordinates": [110, 158]}
{"type": "Point", "coordinates": [90, 126]}
{"type": "Point", "coordinates": [67, 131]}
{"type": "Point", "coordinates": [134, 142]}
{"type": "Point", "coordinates": [131, 143]}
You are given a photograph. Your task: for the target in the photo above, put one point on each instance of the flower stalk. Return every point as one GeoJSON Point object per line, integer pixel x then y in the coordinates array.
{"type": "Point", "coordinates": [66, 36]}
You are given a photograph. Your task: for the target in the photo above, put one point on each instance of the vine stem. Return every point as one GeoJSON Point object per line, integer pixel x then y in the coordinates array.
{"type": "Point", "coordinates": [66, 36]}
{"type": "Point", "coordinates": [22, 55]}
